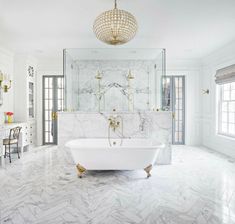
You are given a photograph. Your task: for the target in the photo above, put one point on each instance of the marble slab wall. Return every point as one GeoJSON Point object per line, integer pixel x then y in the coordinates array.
{"type": "Point", "coordinates": [154, 125]}
{"type": "Point", "coordinates": [114, 90]}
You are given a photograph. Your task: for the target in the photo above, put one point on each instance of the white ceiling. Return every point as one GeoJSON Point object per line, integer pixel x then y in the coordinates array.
{"type": "Point", "coordinates": [186, 28]}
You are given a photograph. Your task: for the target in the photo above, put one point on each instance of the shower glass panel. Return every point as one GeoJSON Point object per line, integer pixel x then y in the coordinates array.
{"type": "Point", "coordinates": [108, 79]}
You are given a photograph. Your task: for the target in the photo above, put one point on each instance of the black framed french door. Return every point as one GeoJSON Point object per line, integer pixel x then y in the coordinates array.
{"type": "Point", "coordinates": [173, 99]}
{"type": "Point", "coordinates": [53, 101]}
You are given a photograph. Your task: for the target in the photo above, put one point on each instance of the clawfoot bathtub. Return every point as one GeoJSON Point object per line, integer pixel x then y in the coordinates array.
{"type": "Point", "coordinates": [97, 154]}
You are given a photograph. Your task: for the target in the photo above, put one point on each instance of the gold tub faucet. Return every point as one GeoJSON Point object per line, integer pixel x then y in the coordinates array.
{"type": "Point", "coordinates": [116, 125]}
{"type": "Point", "coordinates": [114, 122]}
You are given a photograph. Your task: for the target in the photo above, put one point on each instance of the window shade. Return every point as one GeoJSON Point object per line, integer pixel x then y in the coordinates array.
{"type": "Point", "coordinates": [225, 75]}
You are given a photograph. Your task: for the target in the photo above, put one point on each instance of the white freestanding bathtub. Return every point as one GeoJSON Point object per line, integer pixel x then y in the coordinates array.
{"type": "Point", "coordinates": [97, 154]}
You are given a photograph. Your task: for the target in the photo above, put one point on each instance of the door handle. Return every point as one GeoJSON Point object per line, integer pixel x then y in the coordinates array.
{"type": "Point", "coordinates": [173, 115]}
{"type": "Point", "coordinates": [54, 115]}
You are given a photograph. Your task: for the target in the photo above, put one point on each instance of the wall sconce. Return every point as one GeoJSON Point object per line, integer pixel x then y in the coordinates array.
{"type": "Point", "coordinates": [205, 91]}
{"type": "Point", "coordinates": [5, 82]}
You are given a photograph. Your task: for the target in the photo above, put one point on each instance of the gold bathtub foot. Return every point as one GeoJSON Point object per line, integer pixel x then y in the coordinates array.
{"type": "Point", "coordinates": [148, 170]}
{"type": "Point", "coordinates": [80, 170]}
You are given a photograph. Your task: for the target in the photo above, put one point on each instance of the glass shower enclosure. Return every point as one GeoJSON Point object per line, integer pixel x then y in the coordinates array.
{"type": "Point", "coordinates": [114, 79]}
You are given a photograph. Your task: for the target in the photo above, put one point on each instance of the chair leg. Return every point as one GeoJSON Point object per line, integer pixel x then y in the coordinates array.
{"type": "Point", "coordinates": [5, 153]}
{"type": "Point", "coordinates": [9, 147]}
{"type": "Point", "coordinates": [18, 150]}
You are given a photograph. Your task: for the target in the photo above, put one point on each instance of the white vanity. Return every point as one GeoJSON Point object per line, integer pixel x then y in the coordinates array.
{"type": "Point", "coordinates": [24, 104]}
{"type": "Point", "coordinates": [26, 136]}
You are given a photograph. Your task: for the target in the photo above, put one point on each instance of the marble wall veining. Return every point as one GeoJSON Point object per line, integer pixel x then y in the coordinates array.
{"type": "Point", "coordinates": [153, 125]}
{"type": "Point", "coordinates": [83, 92]}
{"type": "Point", "coordinates": [71, 82]}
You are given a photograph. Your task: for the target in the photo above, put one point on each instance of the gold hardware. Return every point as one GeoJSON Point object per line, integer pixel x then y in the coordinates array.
{"type": "Point", "coordinates": [81, 170]}
{"type": "Point", "coordinates": [115, 122]}
{"type": "Point", "coordinates": [148, 170]}
{"type": "Point", "coordinates": [98, 76]}
{"type": "Point", "coordinates": [130, 92]}
{"type": "Point", "coordinates": [99, 93]}
{"type": "Point", "coordinates": [4, 78]}
{"type": "Point", "coordinates": [54, 115]}
{"type": "Point", "coordinates": [5, 87]}
{"type": "Point", "coordinates": [130, 76]}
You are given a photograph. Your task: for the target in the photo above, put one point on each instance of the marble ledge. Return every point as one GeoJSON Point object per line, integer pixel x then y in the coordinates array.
{"type": "Point", "coordinates": [116, 112]}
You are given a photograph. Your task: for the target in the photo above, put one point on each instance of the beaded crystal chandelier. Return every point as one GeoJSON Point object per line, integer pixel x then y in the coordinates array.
{"type": "Point", "coordinates": [115, 26]}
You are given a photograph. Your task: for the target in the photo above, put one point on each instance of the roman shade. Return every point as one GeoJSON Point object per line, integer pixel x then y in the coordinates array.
{"type": "Point", "coordinates": [225, 75]}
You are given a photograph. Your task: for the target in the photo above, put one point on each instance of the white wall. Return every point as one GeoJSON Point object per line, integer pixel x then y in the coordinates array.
{"type": "Point", "coordinates": [191, 70]}
{"type": "Point", "coordinates": [219, 59]}
{"type": "Point", "coordinates": [6, 66]}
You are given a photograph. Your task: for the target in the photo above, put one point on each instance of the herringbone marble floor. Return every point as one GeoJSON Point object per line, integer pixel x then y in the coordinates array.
{"type": "Point", "coordinates": [42, 187]}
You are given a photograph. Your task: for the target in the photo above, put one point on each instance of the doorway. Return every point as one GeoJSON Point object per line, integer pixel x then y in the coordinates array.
{"type": "Point", "coordinates": [173, 99]}
{"type": "Point", "coordinates": [53, 101]}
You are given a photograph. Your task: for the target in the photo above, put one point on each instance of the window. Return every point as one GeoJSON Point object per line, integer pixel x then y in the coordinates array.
{"type": "Point", "coordinates": [226, 125]}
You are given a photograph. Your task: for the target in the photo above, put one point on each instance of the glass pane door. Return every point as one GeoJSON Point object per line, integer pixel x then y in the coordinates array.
{"type": "Point", "coordinates": [178, 109]}
{"type": "Point", "coordinates": [53, 101]}
{"type": "Point", "coordinates": [173, 98]}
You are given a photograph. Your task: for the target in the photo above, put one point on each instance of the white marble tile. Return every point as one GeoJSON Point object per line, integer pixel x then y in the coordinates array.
{"type": "Point", "coordinates": [43, 188]}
